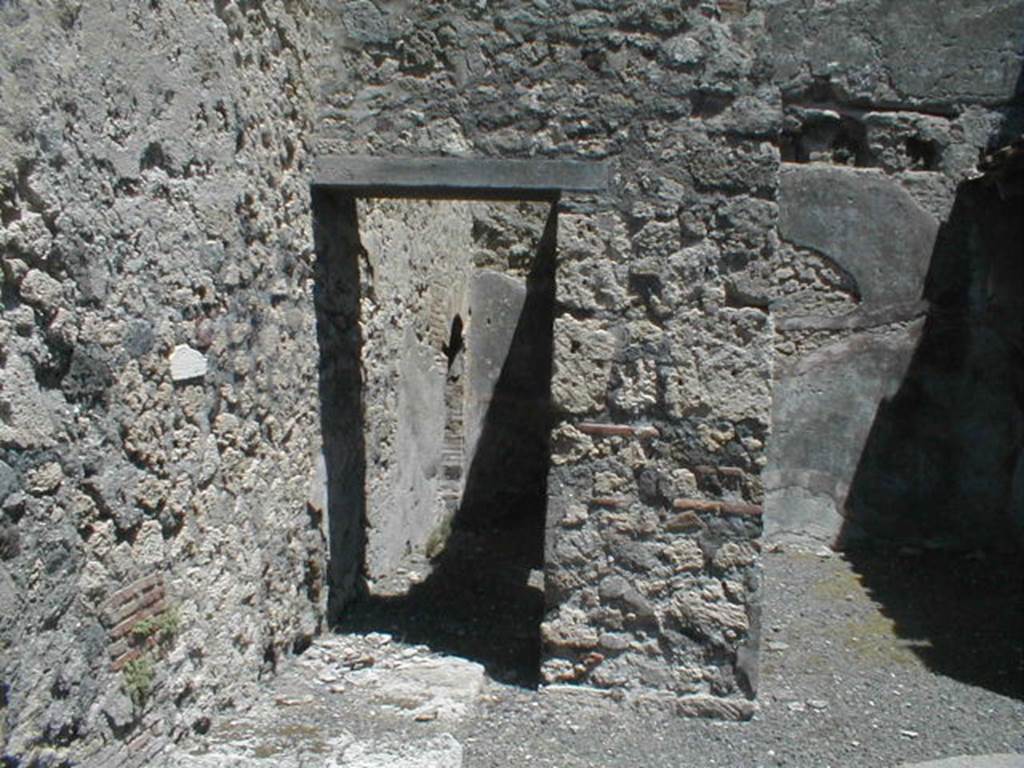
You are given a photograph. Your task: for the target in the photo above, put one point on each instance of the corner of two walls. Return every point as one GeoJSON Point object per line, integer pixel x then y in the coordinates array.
{"type": "Point", "coordinates": [897, 415]}
{"type": "Point", "coordinates": [159, 418]}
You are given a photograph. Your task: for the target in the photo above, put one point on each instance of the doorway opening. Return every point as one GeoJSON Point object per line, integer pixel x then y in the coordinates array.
{"type": "Point", "coordinates": [435, 322]}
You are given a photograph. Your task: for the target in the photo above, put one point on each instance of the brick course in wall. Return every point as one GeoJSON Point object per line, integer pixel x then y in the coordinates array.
{"type": "Point", "coordinates": [122, 612]}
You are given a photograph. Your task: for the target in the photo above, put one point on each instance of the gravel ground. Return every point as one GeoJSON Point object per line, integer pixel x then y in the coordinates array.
{"type": "Point", "coordinates": [867, 660]}
{"type": "Point", "coordinates": [872, 660]}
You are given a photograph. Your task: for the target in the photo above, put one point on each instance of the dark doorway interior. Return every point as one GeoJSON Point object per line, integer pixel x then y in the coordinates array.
{"type": "Point", "coordinates": [481, 594]}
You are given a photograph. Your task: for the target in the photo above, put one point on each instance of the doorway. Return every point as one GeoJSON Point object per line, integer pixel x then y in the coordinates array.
{"type": "Point", "coordinates": [435, 325]}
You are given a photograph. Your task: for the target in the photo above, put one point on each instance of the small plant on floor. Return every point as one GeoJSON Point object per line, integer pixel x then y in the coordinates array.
{"type": "Point", "coordinates": [438, 538]}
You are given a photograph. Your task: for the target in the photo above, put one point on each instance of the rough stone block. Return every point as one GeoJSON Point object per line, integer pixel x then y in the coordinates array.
{"type": "Point", "coordinates": [457, 177]}
{"type": "Point", "coordinates": [582, 365]}
{"type": "Point", "coordinates": [716, 707]}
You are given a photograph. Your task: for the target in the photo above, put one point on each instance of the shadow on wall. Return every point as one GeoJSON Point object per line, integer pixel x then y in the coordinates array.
{"type": "Point", "coordinates": [942, 472]}
{"type": "Point", "coordinates": [336, 296]}
{"type": "Point", "coordinates": [483, 600]}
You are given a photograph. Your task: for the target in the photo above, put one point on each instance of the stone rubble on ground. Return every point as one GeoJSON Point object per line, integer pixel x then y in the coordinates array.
{"type": "Point", "coordinates": [354, 701]}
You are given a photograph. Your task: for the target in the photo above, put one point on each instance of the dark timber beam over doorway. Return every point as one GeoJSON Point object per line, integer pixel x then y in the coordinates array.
{"type": "Point", "coordinates": [458, 177]}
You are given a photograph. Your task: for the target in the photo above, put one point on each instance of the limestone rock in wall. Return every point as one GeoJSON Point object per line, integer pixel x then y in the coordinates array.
{"type": "Point", "coordinates": [187, 363]}
{"type": "Point", "coordinates": [583, 357]}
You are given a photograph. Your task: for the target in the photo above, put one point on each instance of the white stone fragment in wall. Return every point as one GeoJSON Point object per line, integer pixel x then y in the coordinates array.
{"type": "Point", "coordinates": [187, 363]}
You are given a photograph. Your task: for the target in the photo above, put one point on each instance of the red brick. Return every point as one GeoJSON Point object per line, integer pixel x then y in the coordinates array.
{"type": "Point", "coordinates": [118, 664]}
{"type": "Point", "coordinates": [610, 501]}
{"type": "Point", "coordinates": [119, 648]}
{"type": "Point", "coordinates": [124, 645]}
{"type": "Point", "coordinates": [605, 430]}
{"type": "Point", "coordinates": [125, 626]}
{"type": "Point", "coordinates": [136, 603]}
{"type": "Point", "coordinates": [742, 508]}
{"type": "Point", "coordinates": [699, 505]}
{"type": "Point", "coordinates": [131, 591]}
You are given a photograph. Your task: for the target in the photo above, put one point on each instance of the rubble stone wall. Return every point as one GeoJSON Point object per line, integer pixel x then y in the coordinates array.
{"type": "Point", "coordinates": [158, 388]}
{"type": "Point", "coordinates": [662, 337]}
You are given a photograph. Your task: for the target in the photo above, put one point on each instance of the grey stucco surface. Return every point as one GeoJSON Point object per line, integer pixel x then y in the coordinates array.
{"type": "Point", "coordinates": [495, 304]}
{"type": "Point", "coordinates": [888, 106]}
{"type": "Point", "coordinates": [824, 407]}
{"type": "Point", "coordinates": [865, 223]}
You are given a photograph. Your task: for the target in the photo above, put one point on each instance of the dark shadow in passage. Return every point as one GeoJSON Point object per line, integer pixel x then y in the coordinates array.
{"type": "Point", "coordinates": [941, 472]}
{"type": "Point", "coordinates": [478, 602]}
{"type": "Point", "coordinates": [336, 296]}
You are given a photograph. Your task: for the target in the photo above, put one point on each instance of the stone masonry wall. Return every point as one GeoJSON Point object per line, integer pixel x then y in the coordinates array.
{"type": "Point", "coordinates": [157, 555]}
{"type": "Point", "coordinates": [160, 545]}
{"type": "Point", "coordinates": [662, 359]}
{"type": "Point", "coordinates": [897, 412]}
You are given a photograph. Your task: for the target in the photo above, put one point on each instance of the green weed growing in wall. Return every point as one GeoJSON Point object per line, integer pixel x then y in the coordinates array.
{"type": "Point", "coordinates": [140, 672]}
{"type": "Point", "coordinates": [164, 626]}
{"type": "Point", "coordinates": [437, 540]}
{"type": "Point", "coordinates": [138, 678]}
